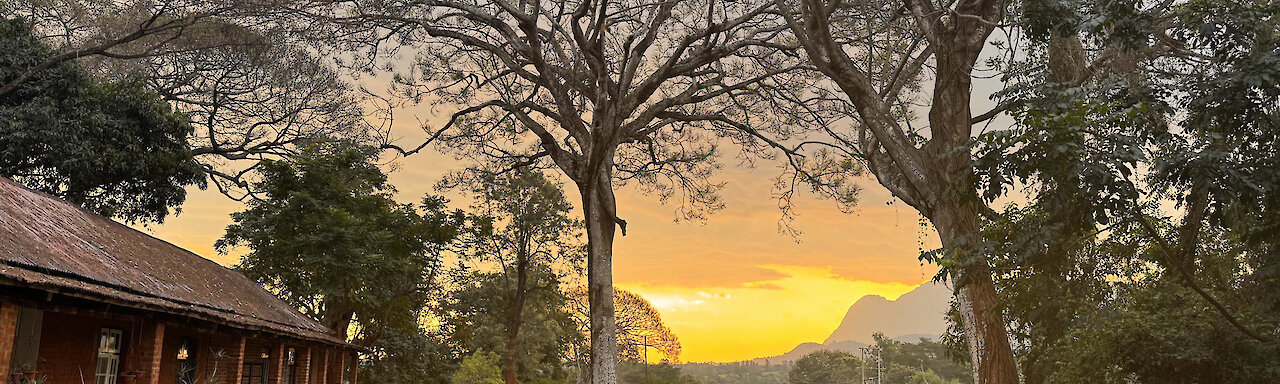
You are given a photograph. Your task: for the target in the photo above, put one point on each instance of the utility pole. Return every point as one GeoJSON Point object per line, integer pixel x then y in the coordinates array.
{"type": "Point", "coordinates": [646, 357]}
{"type": "Point", "coordinates": [864, 364]}
{"type": "Point", "coordinates": [879, 366]}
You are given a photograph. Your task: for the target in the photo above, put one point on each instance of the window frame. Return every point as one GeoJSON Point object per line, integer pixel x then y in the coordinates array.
{"type": "Point", "coordinates": [112, 354]}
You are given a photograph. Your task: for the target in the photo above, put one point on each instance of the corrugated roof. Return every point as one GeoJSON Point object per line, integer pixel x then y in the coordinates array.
{"type": "Point", "coordinates": [50, 244]}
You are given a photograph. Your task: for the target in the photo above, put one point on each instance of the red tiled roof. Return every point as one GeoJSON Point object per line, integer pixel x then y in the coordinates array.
{"type": "Point", "coordinates": [49, 244]}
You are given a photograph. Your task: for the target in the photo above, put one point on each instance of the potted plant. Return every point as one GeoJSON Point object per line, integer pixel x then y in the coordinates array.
{"type": "Point", "coordinates": [130, 377]}
{"type": "Point", "coordinates": [28, 372]}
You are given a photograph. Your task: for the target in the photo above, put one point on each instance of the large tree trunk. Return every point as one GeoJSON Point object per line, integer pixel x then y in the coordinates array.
{"type": "Point", "coordinates": [980, 315]}
{"type": "Point", "coordinates": [517, 313]}
{"type": "Point", "coordinates": [600, 210]}
{"type": "Point", "coordinates": [955, 215]}
{"type": "Point", "coordinates": [337, 316]}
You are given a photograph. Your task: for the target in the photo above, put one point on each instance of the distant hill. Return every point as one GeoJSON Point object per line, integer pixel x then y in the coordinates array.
{"type": "Point", "coordinates": [915, 337]}
{"type": "Point", "coordinates": [919, 312]}
{"type": "Point", "coordinates": [915, 315]}
{"type": "Point", "coordinates": [807, 348]}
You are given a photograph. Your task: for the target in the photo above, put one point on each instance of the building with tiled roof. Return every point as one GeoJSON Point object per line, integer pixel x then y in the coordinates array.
{"type": "Point", "coordinates": [87, 300]}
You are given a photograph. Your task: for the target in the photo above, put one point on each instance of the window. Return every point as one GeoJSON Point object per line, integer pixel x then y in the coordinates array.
{"type": "Point", "coordinates": [255, 372]}
{"type": "Point", "coordinates": [108, 356]}
{"type": "Point", "coordinates": [291, 366]}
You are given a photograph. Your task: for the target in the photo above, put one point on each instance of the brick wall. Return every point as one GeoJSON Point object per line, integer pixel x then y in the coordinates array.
{"type": "Point", "coordinates": [338, 366]}
{"type": "Point", "coordinates": [254, 348]}
{"type": "Point", "coordinates": [8, 324]}
{"type": "Point", "coordinates": [150, 347]}
{"type": "Point", "coordinates": [68, 351]}
{"type": "Point", "coordinates": [276, 368]}
{"type": "Point", "coordinates": [202, 350]}
{"type": "Point", "coordinates": [320, 372]}
{"type": "Point", "coordinates": [354, 361]}
{"type": "Point", "coordinates": [304, 366]}
{"type": "Point", "coordinates": [222, 356]}
{"type": "Point", "coordinates": [237, 361]}
{"type": "Point", "coordinates": [69, 347]}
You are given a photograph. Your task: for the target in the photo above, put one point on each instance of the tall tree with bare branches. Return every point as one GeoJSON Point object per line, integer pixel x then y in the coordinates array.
{"type": "Point", "coordinates": [605, 91]}
{"type": "Point", "coordinates": [873, 51]}
{"type": "Point", "coordinates": [250, 91]}
{"type": "Point", "coordinates": [882, 54]}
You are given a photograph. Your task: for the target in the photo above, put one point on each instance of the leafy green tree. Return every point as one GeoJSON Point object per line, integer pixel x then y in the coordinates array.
{"type": "Point", "coordinates": [475, 316]}
{"type": "Point", "coordinates": [109, 145]}
{"type": "Point", "coordinates": [826, 367]}
{"type": "Point", "coordinates": [1158, 332]}
{"type": "Point", "coordinates": [525, 229]}
{"type": "Point", "coordinates": [1194, 124]}
{"type": "Point", "coordinates": [902, 361]}
{"type": "Point", "coordinates": [408, 357]}
{"type": "Point", "coordinates": [330, 240]}
{"type": "Point", "coordinates": [929, 377]}
{"type": "Point", "coordinates": [478, 368]}
{"type": "Point", "coordinates": [1119, 317]}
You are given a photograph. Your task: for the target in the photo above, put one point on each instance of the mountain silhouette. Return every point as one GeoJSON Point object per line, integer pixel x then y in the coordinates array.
{"type": "Point", "coordinates": [919, 313]}
{"type": "Point", "coordinates": [915, 315]}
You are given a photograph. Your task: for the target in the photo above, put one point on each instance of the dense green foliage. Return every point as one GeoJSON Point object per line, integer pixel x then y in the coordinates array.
{"type": "Point", "coordinates": [523, 233]}
{"type": "Point", "coordinates": [409, 357]}
{"type": "Point", "coordinates": [893, 361]}
{"type": "Point", "coordinates": [665, 373]}
{"type": "Point", "coordinates": [1086, 326]}
{"type": "Point", "coordinates": [1100, 283]}
{"type": "Point", "coordinates": [1158, 332]}
{"type": "Point", "coordinates": [475, 316]}
{"type": "Point", "coordinates": [478, 368]}
{"type": "Point", "coordinates": [929, 377]}
{"type": "Point", "coordinates": [329, 239]}
{"type": "Point", "coordinates": [826, 367]}
{"type": "Point", "coordinates": [903, 362]}
{"type": "Point", "coordinates": [110, 145]}
{"type": "Point", "coordinates": [738, 373]}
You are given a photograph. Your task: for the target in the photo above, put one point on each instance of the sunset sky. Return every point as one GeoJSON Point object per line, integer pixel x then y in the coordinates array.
{"type": "Point", "coordinates": [732, 288]}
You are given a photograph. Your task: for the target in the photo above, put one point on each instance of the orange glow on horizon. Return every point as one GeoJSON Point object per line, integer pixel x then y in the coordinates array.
{"type": "Point", "coordinates": [763, 319]}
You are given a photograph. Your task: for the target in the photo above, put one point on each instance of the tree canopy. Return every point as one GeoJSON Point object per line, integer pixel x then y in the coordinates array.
{"type": "Point", "coordinates": [523, 226]}
{"type": "Point", "coordinates": [250, 91]}
{"type": "Point", "coordinates": [826, 366]}
{"type": "Point", "coordinates": [477, 315]}
{"type": "Point", "coordinates": [330, 239]}
{"type": "Point", "coordinates": [110, 145]}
